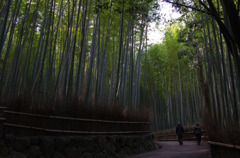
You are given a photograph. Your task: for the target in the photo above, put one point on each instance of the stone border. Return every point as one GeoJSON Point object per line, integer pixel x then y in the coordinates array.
{"type": "Point", "coordinates": [75, 146]}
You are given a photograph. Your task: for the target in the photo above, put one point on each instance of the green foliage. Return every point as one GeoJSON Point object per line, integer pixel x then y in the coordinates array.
{"type": "Point", "coordinates": [171, 74]}
{"type": "Point", "coordinates": [58, 49]}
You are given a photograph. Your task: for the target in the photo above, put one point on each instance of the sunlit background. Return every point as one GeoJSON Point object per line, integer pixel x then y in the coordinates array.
{"type": "Point", "coordinates": [156, 29]}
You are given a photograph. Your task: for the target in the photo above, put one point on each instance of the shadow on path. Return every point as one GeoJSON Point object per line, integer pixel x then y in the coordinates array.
{"type": "Point", "coordinates": [171, 149]}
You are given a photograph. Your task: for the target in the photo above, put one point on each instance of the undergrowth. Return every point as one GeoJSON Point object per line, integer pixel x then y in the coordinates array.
{"type": "Point", "coordinates": [230, 134]}
{"type": "Point", "coordinates": [76, 108]}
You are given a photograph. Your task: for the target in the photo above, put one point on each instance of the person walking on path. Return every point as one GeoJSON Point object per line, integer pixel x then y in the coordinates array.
{"type": "Point", "coordinates": [198, 133]}
{"type": "Point", "coordinates": [179, 133]}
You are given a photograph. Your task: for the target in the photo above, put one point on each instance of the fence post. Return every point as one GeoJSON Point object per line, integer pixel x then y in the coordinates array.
{"type": "Point", "coordinates": [2, 120]}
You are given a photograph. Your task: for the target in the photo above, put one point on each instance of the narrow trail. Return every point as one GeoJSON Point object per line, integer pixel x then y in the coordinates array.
{"type": "Point", "coordinates": [171, 149]}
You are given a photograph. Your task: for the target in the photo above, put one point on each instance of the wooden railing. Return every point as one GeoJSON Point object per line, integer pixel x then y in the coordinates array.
{"type": "Point", "coordinates": [189, 135]}
{"type": "Point", "coordinates": [26, 124]}
{"type": "Point", "coordinates": [2, 120]}
{"type": "Point", "coordinates": [224, 145]}
{"type": "Point", "coordinates": [171, 136]}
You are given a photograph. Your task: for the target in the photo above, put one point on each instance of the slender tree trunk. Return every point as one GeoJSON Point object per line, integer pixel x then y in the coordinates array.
{"type": "Point", "coordinates": [3, 26]}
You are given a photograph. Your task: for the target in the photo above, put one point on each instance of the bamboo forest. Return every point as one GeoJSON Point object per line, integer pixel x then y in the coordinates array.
{"type": "Point", "coordinates": [94, 52]}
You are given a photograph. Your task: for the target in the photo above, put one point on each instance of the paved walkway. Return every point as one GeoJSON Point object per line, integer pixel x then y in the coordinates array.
{"type": "Point", "coordinates": [171, 149]}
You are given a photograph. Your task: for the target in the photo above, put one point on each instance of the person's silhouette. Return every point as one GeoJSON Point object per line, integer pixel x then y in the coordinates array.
{"type": "Point", "coordinates": [179, 133]}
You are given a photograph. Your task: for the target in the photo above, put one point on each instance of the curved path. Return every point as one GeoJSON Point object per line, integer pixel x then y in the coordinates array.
{"type": "Point", "coordinates": [171, 149]}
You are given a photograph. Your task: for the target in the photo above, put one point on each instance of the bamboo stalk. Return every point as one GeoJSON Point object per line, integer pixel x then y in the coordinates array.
{"type": "Point", "coordinates": [190, 138]}
{"type": "Point", "coordinates": [23, 113]}
{"type": "Point", "coordinates": [190, 132]}
{"type": "Point", "coordinates": [102, 121]}
{"type": "Point", "coordinates": [96, 133]}
{"type": "Point", "coordinates": [2, 119]}
{"type": "Point", "coordinates": [22, 126]}
{"type": "Point", "coordinates": [166, 135]}
{"type": "Point", "coordinates": [224, 145]}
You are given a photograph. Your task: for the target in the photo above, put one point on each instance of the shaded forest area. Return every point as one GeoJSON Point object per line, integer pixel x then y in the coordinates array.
{"type": "Point", "coordinates": [62, 54]}
{"type": "Point", "coordinates": [209, 37]}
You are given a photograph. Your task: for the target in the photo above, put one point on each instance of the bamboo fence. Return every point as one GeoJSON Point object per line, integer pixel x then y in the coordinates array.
{"type": "Point", "coordinates": [190, 135]}
{"type": "Point", "coordinates": [224, 145]}
{"type": "Point", "coordinates": [2, 120]}
{"type": "Point", "coordinates": [159, 136]}
{"type": "Point", "coordinates": [28, 124]}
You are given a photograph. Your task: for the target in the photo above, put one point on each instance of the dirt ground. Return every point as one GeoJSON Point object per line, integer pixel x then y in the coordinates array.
{"type": "Point", "coordinates": [171, 149]}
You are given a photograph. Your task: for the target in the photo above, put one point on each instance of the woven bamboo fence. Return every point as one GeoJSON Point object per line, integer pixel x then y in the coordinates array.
{"type": "Point", "coordinates": [170, 135]}
{"type": "Point", "coordinates": [27, 124]}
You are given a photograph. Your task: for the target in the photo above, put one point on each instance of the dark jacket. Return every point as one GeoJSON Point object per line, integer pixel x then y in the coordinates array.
{"type": "Point", "coordinates": [179, 129]}
{"type": "Point", "coordinates": [197, 130]}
